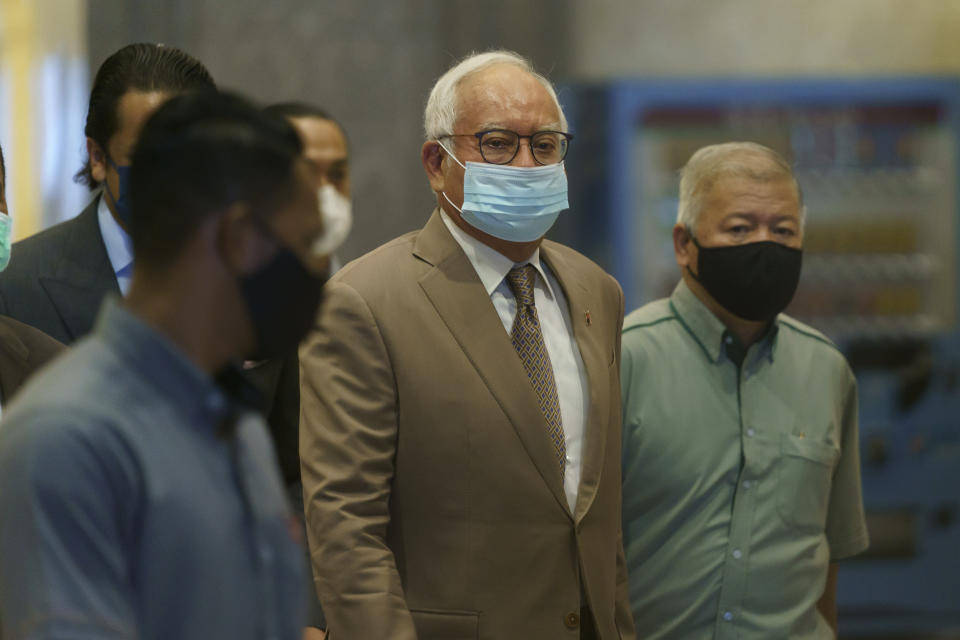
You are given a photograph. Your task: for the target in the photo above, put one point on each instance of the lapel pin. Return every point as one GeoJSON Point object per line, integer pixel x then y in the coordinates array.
{"type": "Point", "coordinates": [587, 316]}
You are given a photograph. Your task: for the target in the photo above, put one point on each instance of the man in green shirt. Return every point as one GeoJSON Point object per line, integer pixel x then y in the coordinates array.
{"type": "Point", "coordinates": [741, 468]}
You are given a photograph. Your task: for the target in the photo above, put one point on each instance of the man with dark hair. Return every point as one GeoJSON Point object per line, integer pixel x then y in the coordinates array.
{"type": "Point", "coordinates": [23, 349]}
{"type": "Point", "coordinates": [325, 146]}
{"type": "Point", "coordinates": [63, 274]}
{"type": "Point", "coordinates": [138, 495]}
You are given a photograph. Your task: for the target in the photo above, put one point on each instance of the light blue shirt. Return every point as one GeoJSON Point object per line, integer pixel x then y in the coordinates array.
{"type": "Point", "coordinates": [118, 244]}
{"type": "Point", "coordinates": [125, 512]}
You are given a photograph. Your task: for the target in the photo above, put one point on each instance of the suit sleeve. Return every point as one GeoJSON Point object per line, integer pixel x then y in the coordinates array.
{"type": "Point", "coordinates": [623, 613]}
{"type": "Point", "coordinates": [846, 523]}
{"type": "Point", "coordinates": [348, 435]}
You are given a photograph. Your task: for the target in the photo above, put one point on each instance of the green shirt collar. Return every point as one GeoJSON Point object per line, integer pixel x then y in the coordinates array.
{"type": "Point", "coordinates": [711, 334]}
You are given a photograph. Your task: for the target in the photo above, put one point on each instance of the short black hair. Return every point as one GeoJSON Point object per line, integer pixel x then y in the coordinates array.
{"type": "Point", "coordinates": [136, 67]}
{"type": "Point", "coordinates": [299, 109]}
{"type": "Point", "coordinates": [197, 155]}
{"type": "Point", "coordinates": [296, 109]}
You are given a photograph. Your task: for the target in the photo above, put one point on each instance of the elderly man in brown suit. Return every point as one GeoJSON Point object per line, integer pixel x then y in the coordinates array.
{"type": "Point", "coordinates": [460, 426]}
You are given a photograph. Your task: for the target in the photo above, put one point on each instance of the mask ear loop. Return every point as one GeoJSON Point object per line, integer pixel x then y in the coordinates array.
{"type": "Point", "coordinates": [443, 193]}
{"type": "Point", "coordinates": [693, 239]}
{"type": "Point", "coordinates": [106, 184]}
{"type": "Point", "coordinates": [450, 153]}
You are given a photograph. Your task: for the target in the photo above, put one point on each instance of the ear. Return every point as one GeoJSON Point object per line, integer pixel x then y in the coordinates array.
{"type": "Point", "coordinates": [683, 248]}
{"type": "Point", "coordinates": [241, 243]}
{"type": "Point", "coordinates": [431, 155]}
{"type": "Point", "coordinates": [98, 160]}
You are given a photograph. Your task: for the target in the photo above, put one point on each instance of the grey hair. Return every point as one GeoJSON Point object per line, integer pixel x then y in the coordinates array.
{"type": "Point", "coordinates": [730, 159]}
{"type": "Point", "coordinates": [441, 112]}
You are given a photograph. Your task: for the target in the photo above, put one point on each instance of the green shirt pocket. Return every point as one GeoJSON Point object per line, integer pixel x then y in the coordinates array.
{"type": "Point", "coordinates": [805, 471]}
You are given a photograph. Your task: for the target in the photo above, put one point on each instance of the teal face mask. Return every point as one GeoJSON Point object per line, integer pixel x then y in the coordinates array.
{"type": "Point", "coordinates": [6, 228]}
{"type": "Point", "coordinates": [518, 204]}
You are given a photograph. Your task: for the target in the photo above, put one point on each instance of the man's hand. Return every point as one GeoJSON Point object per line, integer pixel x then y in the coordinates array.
{"type": "Point", "coordinates": [312, 633]}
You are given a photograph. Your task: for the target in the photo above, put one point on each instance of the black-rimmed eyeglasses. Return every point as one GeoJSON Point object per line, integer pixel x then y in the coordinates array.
{"type": "Point", "coordinates": [500, 146]}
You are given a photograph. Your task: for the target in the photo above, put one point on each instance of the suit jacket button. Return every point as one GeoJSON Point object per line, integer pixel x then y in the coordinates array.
{"type": "Point", "coordinates": [572, 620]}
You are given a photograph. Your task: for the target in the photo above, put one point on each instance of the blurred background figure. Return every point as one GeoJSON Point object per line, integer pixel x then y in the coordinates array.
{"type": "Point", "coordinates": [23, 349]}
{"type": "Point", "coordinates": [140, 497]}
{"type": "Point", "coordinates": [63, 274]}
{"type": "Point", "coordinates": [44, 87]}
{"type": "Point", "coordinates": [325, 146]}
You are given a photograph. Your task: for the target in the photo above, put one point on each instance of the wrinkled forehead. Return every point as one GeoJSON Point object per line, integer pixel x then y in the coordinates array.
{"type": "Point", "coordinates": [746, 164]}
{"type": "Point", "coordinates": [505, 95]}
{"type": "Point", "coordinates": [762, 201]}
{"type": "Point", "coordinates": [746, 184]}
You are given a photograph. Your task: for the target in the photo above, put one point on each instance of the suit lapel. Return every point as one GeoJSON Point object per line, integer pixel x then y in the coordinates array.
{"type": "Point", "coordinates": [83, 277]}
{"type": "Point", "coordinates": [462, 302]}
{"type": "Point", "coordinates": [596, 359]}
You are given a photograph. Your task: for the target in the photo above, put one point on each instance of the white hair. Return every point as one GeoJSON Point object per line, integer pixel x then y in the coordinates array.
{"type": "Point", "coordinates": [441, 112]}
{"type": "Point", "coordinates": [731, 159]}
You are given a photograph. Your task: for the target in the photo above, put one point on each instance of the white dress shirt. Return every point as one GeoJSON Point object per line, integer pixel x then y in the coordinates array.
{"type": "Point", "coordinates": [554, 315]}
{"type": "Point", "coordinates": [118, 244]}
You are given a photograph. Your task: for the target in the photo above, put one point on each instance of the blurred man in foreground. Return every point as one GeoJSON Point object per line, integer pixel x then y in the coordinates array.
{"type": "Point", "coordinates": [741, 468]}
{"type": "Point", "coordinates": [139, 497]}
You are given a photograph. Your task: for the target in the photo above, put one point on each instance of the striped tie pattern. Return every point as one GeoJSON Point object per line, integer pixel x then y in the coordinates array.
{"type": "Point", "coordinates": [528, 341]}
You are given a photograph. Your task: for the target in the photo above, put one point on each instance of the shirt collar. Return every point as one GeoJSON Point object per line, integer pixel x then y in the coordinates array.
{"type": "Point", "coordinates": [709, 332]}
{"type": "Point", "coordinates": [491, 265]}
{"type": "Point", "coordinates": [162, 364]}
{"type": "Point", "coordinates": [115, 239]}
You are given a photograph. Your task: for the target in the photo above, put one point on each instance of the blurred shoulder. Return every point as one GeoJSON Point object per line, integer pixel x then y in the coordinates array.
{"type": "Point", "coordinates": [28, 343]}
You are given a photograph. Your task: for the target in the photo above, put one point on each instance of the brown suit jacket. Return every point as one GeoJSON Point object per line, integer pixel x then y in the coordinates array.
{"type": "Point", "coordinates": [434, 504]}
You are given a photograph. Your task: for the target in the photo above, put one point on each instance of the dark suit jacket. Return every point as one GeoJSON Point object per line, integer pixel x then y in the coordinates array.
{"type": "Point", "coordinates": [57, 278]}
{"type": "Point", "coordinates": [278, 380]}
{"type": "Point", "coordinates": [23, 350]}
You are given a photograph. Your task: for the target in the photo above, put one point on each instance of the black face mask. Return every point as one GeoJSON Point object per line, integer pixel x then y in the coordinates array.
{"type": "Point", "coordinates": [754, 281]}
{"type": "Point", "coordinates": [282, 300]}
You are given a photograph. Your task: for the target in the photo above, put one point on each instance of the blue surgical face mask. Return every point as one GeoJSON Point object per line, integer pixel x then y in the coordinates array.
{"type": "Point", "coordinates": [518, 204]}
{"type": "Point", "coordinates": [6, 227]}
{"type": "Point", "coordinates": [121, 202]}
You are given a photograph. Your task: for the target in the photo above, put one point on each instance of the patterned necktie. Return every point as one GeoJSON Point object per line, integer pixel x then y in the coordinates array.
{"type": "Point", "coordinates": [528, 341]}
